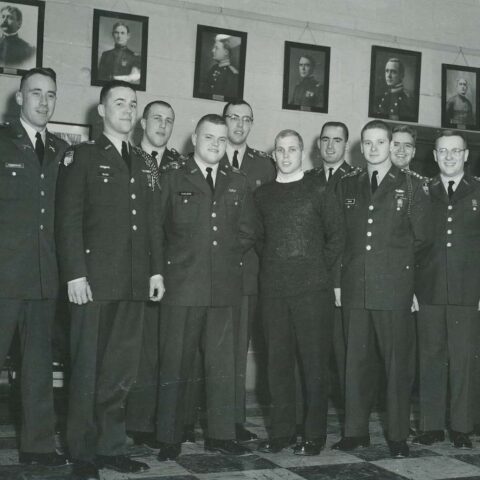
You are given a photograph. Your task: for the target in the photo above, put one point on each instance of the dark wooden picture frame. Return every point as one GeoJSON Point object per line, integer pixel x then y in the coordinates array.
{"type": "Point", "coordinates": [22, 47]}
{"type": "Point", "coordinates": [119, 48]}
{"type": "Point", "coordinates": [72, 133]}
{"type": "Point", "coordinates": [306, 77]}
{"type": "Point", "coordinates": [219, 63]}
{"type": "Point", "coordinates": [394, 84]}
{"type": "Point", "coordinates": [460, 101]}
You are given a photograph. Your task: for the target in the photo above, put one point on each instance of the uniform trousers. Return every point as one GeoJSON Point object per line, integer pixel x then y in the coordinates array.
{"type": "Point", "coordinates": [105, 343]}
{"type": "Point", "coordinates": [246, 316]}
{"type": "Point", "coordinates": [394, 332]}
{"type": "Point", "coordinates": [339, 349]}
{"type": "Point", "coordinates": [182, 330]}
{"type": "Point", "coordinates": [448, 345]}
{"type": "Point", "coordinates": [303, 324]}
{"type": "Point", "coordinates": [34, 319]}
{"type": "Point", "coordinates": [142, 399]}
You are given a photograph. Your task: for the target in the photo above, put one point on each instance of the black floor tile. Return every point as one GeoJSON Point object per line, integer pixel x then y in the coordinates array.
{"type": "Point", "coordinates": [198, 463]}
{"type": "Point", "coordinates": [21, 472]}
{"type": "Point", "coordinates": [382, 452]}
{"type": "Point", "coordinates": [348, 471]}
{"type": "Point", "coordinates": [472, 458]}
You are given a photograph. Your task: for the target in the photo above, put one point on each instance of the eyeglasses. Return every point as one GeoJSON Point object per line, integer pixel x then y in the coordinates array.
{"type": "Point", "coordinates": [454, 152]}
{"type": "Point", "coordinates": [245, 119]}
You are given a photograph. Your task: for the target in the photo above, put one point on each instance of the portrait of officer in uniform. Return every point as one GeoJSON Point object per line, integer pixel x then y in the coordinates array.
{"type": "Point", "coordinates": [306, 77]}
{"type": "Point", "coordinates": [15, 50]}
{"type": "Point", "coordinates": [459, 97]}
{"type": "Point", "coordinates": [394, 84]}
{"type": "Point", "coordinates": [219, 63]}
{"type": "Point", "coordinates": [110, 259]}
{"type": "Point", "coordinates": [29, 285]}
{"type": "Point", "coordinates": [126, 61]}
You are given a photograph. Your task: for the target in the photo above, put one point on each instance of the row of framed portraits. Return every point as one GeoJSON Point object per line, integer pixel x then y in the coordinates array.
{"type": "Point", "coordinates": [120, 46]}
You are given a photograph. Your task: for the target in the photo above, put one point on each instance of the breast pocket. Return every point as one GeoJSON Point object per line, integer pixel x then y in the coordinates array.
{"type": "Point", "coordinates": [233, 206]}
{"type": "Point", "coordinates": [185, 209]}
{"type": "Point", "coordinates": [13, 184]}
{"type": "Point", "coordinates": [104, 190]}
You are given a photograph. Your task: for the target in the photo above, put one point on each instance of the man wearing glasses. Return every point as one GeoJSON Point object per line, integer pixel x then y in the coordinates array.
{"type": "Point", "coordinates": [448, 290]}
{"type": "Point", "coordinates": [259, 169]}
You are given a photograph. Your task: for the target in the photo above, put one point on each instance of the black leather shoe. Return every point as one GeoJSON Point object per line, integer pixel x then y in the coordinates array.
{"type": "Point", "coordinates": [169, 451]}
{"type": "Point", "coordinates": [461, 440]}
{"type": "Point", "coordinates": [121, 463]}
{"type": "Point", "coordinates": [51, 459]}
{"type": "Point", "coordinates": [429, 437]}
{"type": "Point", "coordinates": [145, 438]}
{"type": "Point", "coordinates": [188, 434]}
{"type": "Point", "coordinates": [228, 447]}
{"type": "Point", "coordinates": [310, 447]}
{"type": "Point", "coordinates": [85, 471]}
{"type": "Point", "coordinates": [347, 444]}
{"type": "Point", "coordinates": [398, 449]}
{"type": "Point", "coordinates": [244, 435]}
{"type": "Point", "coordinates": [274, 445]}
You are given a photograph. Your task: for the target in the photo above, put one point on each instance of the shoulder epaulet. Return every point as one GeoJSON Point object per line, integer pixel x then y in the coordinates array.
{"type": "Point", "coordinates": [4, 125]}
{"type": "Point", "coordinates": [260, 153]}
{"type": "Point", "coordinates": [175, 165]}
{"type": "Point", "coordinates": [414, 174]}
{"type": "Point", "coordinates": [477, 178]}
{"type": "Point", "coordinates": [233, 69]}
{"type": "Point", "coordinates": [353, 173]}
{"type": "Point", "coordinates": [314, 171]}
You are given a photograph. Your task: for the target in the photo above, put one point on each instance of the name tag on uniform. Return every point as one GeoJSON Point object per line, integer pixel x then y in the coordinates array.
{"type": "Point", "coordinates": [349, 201]}
{"type": "Point", "coordinates": [104, 167]}
{"type": "Point", "coordinates": [145, 171]}
{"type": "Point", "coordinates": [185, 194]}
{"type": "Point", "coordinates": [102, 174]}
{"type": "Point", "coordinates": [232, 190]}
{"type": "Point", "coordinates": [14, 165]}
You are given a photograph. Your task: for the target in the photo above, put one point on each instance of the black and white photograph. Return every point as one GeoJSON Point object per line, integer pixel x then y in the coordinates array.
{"type": "Point", "coordinates": [21, 35]}
{"type": "Point", "coordinates": [219, 63]}
{"type": "Point", "coordinates": [306, 75]}
{"type": "Point", "coordinates": [459, 97]}
{"type": "Point", "coordinates": [72, 133]}
{"type": "Point", "coordinates": [394, 84]}
{"type": "Point", "coordinates": [119, 48]}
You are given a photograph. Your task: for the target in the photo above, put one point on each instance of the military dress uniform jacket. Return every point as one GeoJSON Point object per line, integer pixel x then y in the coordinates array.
{"type": "Point", "coordinates": [205, 236]}
{"type": "Point", "coordinates": [14, 51]}
{"type": "Point", "coordinates": [105, 222]}
{"type": "Point", "coordinates": [118, 61]}
{"type": "Point", "coordinates": [395, 104]}
{"type": "Point", "coordinates": [449, 272]}
{"type": "Point", "coordinates": [259, 169]}
{"type": "Point", "coordinates": [222, 80]}
{"type": "Point", "coordinates": [308, 93]}
{"type": "Point", "coordinates": [384, 232]}
{"type": "Point", "coordinates": [28, 264]}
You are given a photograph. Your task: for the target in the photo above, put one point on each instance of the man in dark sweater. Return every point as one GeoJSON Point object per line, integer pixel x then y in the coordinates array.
{"type": "Point", "coordinates": [301, 238]}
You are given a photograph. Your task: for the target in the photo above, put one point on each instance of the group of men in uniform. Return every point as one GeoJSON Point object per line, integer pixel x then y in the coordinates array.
{"type": "Point", "coordinates": [343, 256]}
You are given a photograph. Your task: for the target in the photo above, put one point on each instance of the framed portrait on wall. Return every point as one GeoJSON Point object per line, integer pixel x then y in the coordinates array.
{"type": "Point", "coordinates": [306, 73]}
{"type": "Point", "coordinates": [219, 63]}
{"type": "Point", "coordinates": [21, 35]}
{"type": "Point", "coordinates": [460, 97]}
{"type": "Point", "coordinates": [72, 133]}
{"type": "Point", "coordinates": [119, 48]}
{"type": "Point", "coordinates": [394, 84]}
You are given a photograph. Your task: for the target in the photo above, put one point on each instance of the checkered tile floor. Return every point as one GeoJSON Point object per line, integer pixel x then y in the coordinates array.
{"type": "Point", "coordinates": [425, 463]}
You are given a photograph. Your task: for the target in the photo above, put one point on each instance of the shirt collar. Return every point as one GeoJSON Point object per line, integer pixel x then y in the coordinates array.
{"type": "Point", "coordinates": [31, 132]}
{"type": "Point", "coordinates": [327, 166]}
{"type": "Point", "coordinates": [241, 152]}
{"type": "Point", "coordinates": [117, 142]}
{"type": "Point", "coordinates": [203, 167]}
{"type": "Point", "coordinates": [295, 177]}
{"type": "Point", "coordinates": [149, 149]}
{"type": "Point", "coordinates": [457, 179]}
{"type": "Point", "coordinates": [381, 168]}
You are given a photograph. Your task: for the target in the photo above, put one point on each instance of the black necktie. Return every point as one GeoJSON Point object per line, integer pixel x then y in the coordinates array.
{"type": "Point", "coordinates": [125, 154]}
{"type": "Point", "coordinates": [235, 159]}
{"type": "Point", "coordinates": [154, 155]}
{"type": "Point", "coordinates": [210, 178]}
{"type": "Point", "coordinates": [373, 181]}
{"type": "Point", "coordinates": [451, 183]}
{"type": "Point", "coordinates": [39, 147]}
{"type": "Point", "coordinates": [330, 173]}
